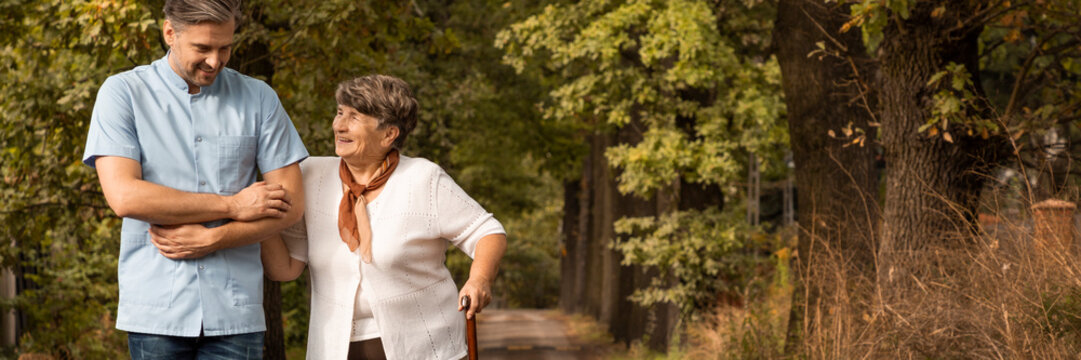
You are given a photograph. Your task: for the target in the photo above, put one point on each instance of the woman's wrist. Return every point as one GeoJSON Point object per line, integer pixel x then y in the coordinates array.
{"type": "Point", "coordinates": [479, 278]}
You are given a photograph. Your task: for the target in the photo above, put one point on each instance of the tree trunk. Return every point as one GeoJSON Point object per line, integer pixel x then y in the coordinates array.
{"type": "Point", "coordinates": [932, 185]}
{"type": "Point", "coordinates": [569, 260]}
{"type": "Point", "coordinates": [274, 338]}
{"type": "Point", "coordinates": [600, 283]}
{"type": "Point", "coordinates": [837, 202]}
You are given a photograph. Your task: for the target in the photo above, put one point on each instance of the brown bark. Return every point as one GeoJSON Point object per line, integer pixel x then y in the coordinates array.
{"type": "Point", "coordinates": [932, 185]}
{"type": "Point", "coordinates": [570, 259]}
{"type": "Point", "coordinates": [274, 338]}
{"type": "Point", "coordinates": [601, 284]}
{"type": "Point", "coordinates": [836, 206]}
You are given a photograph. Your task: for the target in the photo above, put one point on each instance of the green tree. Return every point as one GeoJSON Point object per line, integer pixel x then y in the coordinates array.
{"type": "Point", "coordinates": [63, 237]}
{"type": "Point", "coordinates": [675, 94]}
{"type": "Point", "coordinates": [476, 121]}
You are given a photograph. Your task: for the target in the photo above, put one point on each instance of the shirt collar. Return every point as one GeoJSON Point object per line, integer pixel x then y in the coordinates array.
{"type": "Point", "coordinates": [170, 76]}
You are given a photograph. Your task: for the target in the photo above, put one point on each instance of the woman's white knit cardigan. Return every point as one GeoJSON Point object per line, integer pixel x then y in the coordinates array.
{"type": "Point", "coordinates": [413, 298]}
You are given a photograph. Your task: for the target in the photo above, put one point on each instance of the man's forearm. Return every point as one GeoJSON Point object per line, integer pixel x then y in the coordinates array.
{"type": "Point", "coordinates": [190, 241]}
{"type": "Point", "coordinates": [131, 196]}
{"type": "Point", "coordinates": [157, 204]}
{"type": "Point", "coordinates": [241, 233]}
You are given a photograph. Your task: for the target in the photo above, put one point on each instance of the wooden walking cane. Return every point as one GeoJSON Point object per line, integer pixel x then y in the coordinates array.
{"type": "Point", "coordinates": [470, 330]}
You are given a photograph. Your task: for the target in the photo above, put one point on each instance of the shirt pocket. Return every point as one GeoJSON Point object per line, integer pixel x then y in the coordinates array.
{"type": "Point", "coordinates": [236, 162]}
{"type": "Point", "coordinates": [145, 276]}
{"type": "Point", "coordinates": [245, 274]}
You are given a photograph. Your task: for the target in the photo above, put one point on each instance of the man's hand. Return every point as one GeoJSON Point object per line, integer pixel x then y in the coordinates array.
{"type": "Point", "coordinates": [259, 200]}
{"type": "Point", "coordinates": [189, 241]}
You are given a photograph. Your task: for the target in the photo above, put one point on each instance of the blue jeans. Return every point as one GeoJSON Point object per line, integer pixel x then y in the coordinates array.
{"type": "Point", "coordinates": [227, 347]}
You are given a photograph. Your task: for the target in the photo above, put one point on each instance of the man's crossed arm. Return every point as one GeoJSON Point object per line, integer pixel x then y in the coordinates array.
{"type": "Point", "coordinates": [260, 210]}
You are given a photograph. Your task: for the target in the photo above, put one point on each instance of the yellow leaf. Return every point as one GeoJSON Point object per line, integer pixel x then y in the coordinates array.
{"type": "Point", "coordinates": [783, 254]}
{"type": "Point", "coordinates": [847, 26]}
{"type": "Point", "coordinates": [832, 134]}
{"type": "Point", "coordinates": [946, 136]}
{"type": "Point", "coordinates": [932, 131]}
{"type": "Point", "coordinates": [1013, 36]}
{"type": "Point", "coordinates": [1017, 135]}
{"type": "Point", "coordinates": [938, 11]}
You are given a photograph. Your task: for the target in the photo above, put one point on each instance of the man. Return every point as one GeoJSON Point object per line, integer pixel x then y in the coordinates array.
{"type": "Point", "coordinates": [176, 145]}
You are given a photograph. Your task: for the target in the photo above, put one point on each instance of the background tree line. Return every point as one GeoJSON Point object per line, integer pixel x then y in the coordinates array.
{"type": "Point", "coordinates": [613, 137]}
{"type": "Point", "coordinates": [477, 121]}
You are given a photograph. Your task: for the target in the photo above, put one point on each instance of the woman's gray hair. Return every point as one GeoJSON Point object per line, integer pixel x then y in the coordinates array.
{"type": "Point", "coordinates": [386, 98]}
{"type": "Point", "coordinates": [183, 13]}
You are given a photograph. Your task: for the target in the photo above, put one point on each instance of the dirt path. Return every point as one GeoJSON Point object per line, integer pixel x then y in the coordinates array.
{"type": "Point", "coordinates": [528, 334]}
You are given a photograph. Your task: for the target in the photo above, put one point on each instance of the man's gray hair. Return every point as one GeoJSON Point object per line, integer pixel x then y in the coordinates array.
{"type": "Point", "coordinates": [386, 98]}
{"type": "Point", "coordinates": [183, 13]}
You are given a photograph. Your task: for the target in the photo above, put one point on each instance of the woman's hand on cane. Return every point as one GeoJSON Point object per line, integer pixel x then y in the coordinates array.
{"type": "Point", "coordinates": [479, 291]}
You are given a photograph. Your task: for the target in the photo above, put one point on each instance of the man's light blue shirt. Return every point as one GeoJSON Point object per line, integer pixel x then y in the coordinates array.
{"type": "Point", "coordinates": [210, 142]}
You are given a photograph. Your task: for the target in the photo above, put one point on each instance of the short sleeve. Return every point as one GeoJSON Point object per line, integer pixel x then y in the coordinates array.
{"type": "Point", "coordinates": [112, 124]}
{"type": "Point", "coordinates": [279, 142]}
{"type": "Point", "coordinates": [460, 218]}
{"type": "Point", "coordinates": [296, 240]}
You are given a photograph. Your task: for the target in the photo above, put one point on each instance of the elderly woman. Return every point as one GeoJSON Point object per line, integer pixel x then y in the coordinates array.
{"type": "Point", "coordinates": [375, 233]}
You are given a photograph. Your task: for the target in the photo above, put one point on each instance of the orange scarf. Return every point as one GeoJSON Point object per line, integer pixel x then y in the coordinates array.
{"type": "Point", "coordinates": [353, 222]}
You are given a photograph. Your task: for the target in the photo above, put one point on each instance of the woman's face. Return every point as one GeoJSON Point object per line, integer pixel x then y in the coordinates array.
{"type": "Point", "coordinates": [357, 137]}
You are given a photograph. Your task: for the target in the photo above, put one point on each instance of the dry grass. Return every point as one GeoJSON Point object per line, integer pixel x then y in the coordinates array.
{"type": "Point", "coordinates": [1001, 297]}
{"type": "Point", "coordinates": [753, 331]}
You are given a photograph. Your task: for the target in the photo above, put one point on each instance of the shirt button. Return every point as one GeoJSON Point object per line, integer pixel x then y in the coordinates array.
{"type": "Point", "coordinates": [201, 267]}
{"type": "Point", "coordinates": [199, 139]}
{"type": "Point", "coordinates": [202, 183]}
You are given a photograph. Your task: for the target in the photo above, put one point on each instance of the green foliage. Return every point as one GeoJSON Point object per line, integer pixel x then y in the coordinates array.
{"type": "Point", "coordinates": [659, 64]}
{"type": "Point", "coordinates": [476, 121]}
{"type": "Point", "coordinates": [529, 272]}
{"type": "Point", "coordinates": [956, 102]}
{"type": "Point", "coordinates": [1061, 313]}
{"type": "Point", "coordinates": [706, 252]}
{"type": "Point", "coordinates": [696, 79]}
{"type": "Point", "coordinates": [296, 306]}
{"type": "Point", "coordinates": [872, 17]}
{"type": "Point", "coordinates": [63, 239]}
{"type": "Point", "coordinates": [1029, 62]}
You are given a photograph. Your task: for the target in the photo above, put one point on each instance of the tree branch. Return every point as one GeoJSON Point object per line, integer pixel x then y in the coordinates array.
{"type": "Point", "coordinates": [1019, 82]}
{"type": "Point", "coordinates": [824, 32]}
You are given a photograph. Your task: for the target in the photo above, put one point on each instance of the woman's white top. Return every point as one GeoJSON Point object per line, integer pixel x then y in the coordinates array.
{"type": "Point", "coordinates": [408, 289]}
